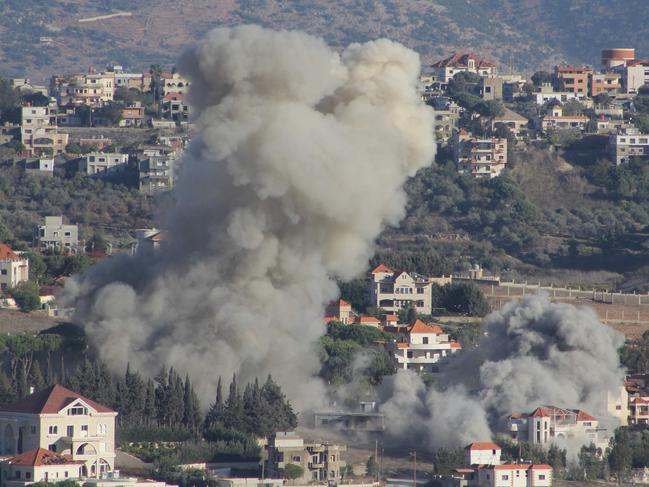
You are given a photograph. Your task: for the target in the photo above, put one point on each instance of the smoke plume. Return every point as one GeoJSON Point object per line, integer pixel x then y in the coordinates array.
{"type": "Point", "coordinates": [298, 165]}
{"type": "Point", "coordinates": [533, 353]}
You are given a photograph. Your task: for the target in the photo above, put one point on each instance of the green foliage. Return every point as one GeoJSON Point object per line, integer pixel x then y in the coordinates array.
{"type": "Point", "coordinates": [293, 471]}
{"type": "Point", "coordinates": [10, 100]}
{"type": "Point", "coordinates": [464, 298]}
{"type": "Point", "coordinates": [362, 335]}
{"type": "Point", "coordinates": [61, 483]}
{"type": "Point", "coordinates": [592, 462]}
{"type": "Point", "coordinates": [541, 77]}
{"type": "Point", "coordinates": [356, 293]}
{"type": "Point", "coordinates": [26, 296]}
{"type": "Point", "coordinates": [573, 107]}
{"type": "Point", "coordinates": [371, 467]}
{"type": "Point", "coordinates": [602, 100]}
{"type": "Point", "coordinates": [620, 458]}
{"type": "Point", "coordinates": [641, 122]}
{"type": "Point", "coordinates": [533, 453]}
{"type": "Point", "coordinates": [171, 474]}
{"type": "Point", "coordinates": [445, 460]}
{"type": "Point", "coordinates": [641, 103]}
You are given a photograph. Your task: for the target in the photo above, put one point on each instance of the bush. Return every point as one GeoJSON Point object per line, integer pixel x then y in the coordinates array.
{"type": "Point", "coordinates": [26, 296]}
{"type": "Point", "coordinates": [292, 471]}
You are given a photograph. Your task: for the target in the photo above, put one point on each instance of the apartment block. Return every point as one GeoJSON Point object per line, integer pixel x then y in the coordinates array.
{"type": "Point", "coordinates": [156, 174]}
{"type": "Point", "coordinates": [481, 157]}
{"type": "Point", "coordinates": [174, 83]}
{"type": "Point", "coordinates": [321, 462]}
{"type": "Point", "coordinates": [175, 108]}
{"type": "Point", "coordinates": [54, 234]}
{"type": "Point", "coordinates": [14, 267]}
{"type": "Point", "coordinates": [39, 133]}
{"type": "Point", "coordinates": [609, 83]}
{"type": "Point", "coordinates": [101, 164]}
{"type": "Point", "coordinates": [554, 119]}
{"type": "Point", "coordinates": [635, 74]}
{"type": "Point", "coordinates": [574, 79]}
{"type": "Point", "coordinates": [90, 89]}
{"type": "Point", "coordinates": [628, 142]}
{"type": "Point", "coordinates": [421, 347]}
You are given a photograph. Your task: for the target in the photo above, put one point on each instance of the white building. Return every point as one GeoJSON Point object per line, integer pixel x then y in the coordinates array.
{"type": "Point", "coordinates": [554, 119]}
{"type": "Point", "coordinates": [103, 163]}
{"type": "Point", "coordinates": [61, 421]}
{"type": "Point", "coordinates": [626, 143]}
{"type": "Point", "coordinates": [635, 75]}
{"type": "Point", "coordinates": [39, 465]}
{"type": "Point", "coordinates": [546, 93]}
{"type": "Point", "coordinates": [14, 268]}
{"type": "Point", "coordinates": [174, 83]}
{"type": "Point", "coordinates": [483, 453]}
{"type": "Point", "coordinates": [445, 69]}
{"type": "Point", "coordinates": [548, 424]}
{"type": "Point", "coordinates": [39, 133]}
{"type": "Point", "coordinates": [394, 290]}
{"type": "Point", "coordinates": [422, 347]}
{"type": "Point", "coordinates": [55, 235]}
{"type": "Point", "coordinates": [481, 157]}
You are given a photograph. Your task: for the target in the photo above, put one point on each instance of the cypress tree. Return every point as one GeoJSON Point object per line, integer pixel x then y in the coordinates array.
{"type": "Point", "coordinates": [50, 379]}
{"type": "Point", "coordinates": [215, 414]}
{"type": "Point", "coordinates": [62, 376]}
{"type": "Point", "coordinates": [35, 378]}
{"type": "Point", "coordinates": [149, 404]}
{"type": "Point", "coordinates": [191, 416]}
{"type": "Point", "coordinates": [22, 387]}
{"type": "Point", "coordinates": [7, 392]}
{"type": "Point", "coordinates": [162, 397]}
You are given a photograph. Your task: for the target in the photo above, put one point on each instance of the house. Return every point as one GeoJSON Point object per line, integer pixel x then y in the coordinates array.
{"type": "Point", "coordinates": [444, 70]}
{"type": "Point", "coordinates": [39, 133]}
{"type": "Point", "coordinates": [422, 347]}
{"type": "Point", "coordinates": [39, 166]}
{"type": "Point", "coordinates": [55, 235]}
{"type": "Point", "coordinates": [635, 74]}
{"type": "Point", "coordinates": [132, 115]}
{"type": "Point", "coordinates": [150, 239]}
{"type": "Point", "coordinates": [446, 121]}
{"type": "Point", "coordinates": [366, 419]}
{"type": "Point", "coordinates": [90, 89]}
{"type": "Point", "coordinates": [321, 462]}
{"type": "Point", "coordinates": [556, 120]}
{"type": "Point", "coordinates": [482, 453]}
{"type": "Point", "coordinates": [548, 424]}
{"type": "Point", "coordinates": [484, 157]}
{"type": "Point", "coordinates": [174, 83]}
{"type": "Point", "coordinates": [626, 143]}
{"type": "Point", "coordinates": [339, 310]}
{"type": "Point", "coordinates": [545, 93]}
{"type": "Point", "coordinates": [155, 174]}
{"type": "Point", "coordinates": [395, 290]}
{"type": "Point", "coordinates": [39, 465]}
{"type": "Point", "coordinates": [516, 123]}
{"type": "Point", "coordinates": [639, 410]}
{"type": "Point", "coordinates": [573, 79]}
{"type": "Point", "coordinates": [57, 420]}
{"type": "Point", "coordinates": [175, 108]}
{"type": "Point", "coordinates": [14, 267]}
{"type": "Point", "coordinates": [101, 164]}
{"type": "Point", "coordinates": [609, 83]}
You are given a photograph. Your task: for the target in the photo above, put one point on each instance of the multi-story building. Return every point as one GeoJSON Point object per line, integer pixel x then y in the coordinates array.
{"type": "Point", "coordinates": [39, 133]}
{"type": "Point", "coordinates": [639, 410]}
{"type": "Point", "coordinates": [175, 108]}
{"type": "Point", "coordinates": [339, 310]}
{"type": "Point", "coordinates": [484, 157]}
{"type": "Point", "coordinates": [156, 174]}
{"type": "Point", "coordinates": [446, 121]}
{"type": "Point", "coordinates": [608, 83]}
{"type": "Point", "coordinates": [574, 79]}
{"type": "Point", "coordinates": [554, 119]}
{"type": "Point", "coordinates": [14, 267]}
{"type": "Point", "coordinates": [626, 143]}
{"type": "Point", "coordinates": [90, 89]}
{"type": "Point", "coordinates": [132, 115]}
{"type": "Point", "coordinates": [548, 424]}
{"type": "Point", "coordinates": [174, 83]}
{"type": "Point", "coordinates": [55, 235]}
{"type": "Point", "coordinates": [444, 70]}
{"type": "Point", "coordinates": [482, 453]}
{"type": "Point", "coordinates": [422, 347]}
{"type": "Point", "coordinates": [103, 163]}
{"type": "Point", "coordinates": [394, 290]}
{"type": "Point", "coordinates": [60, 421]}
{"type": "Point", "coordinates": [635, 74]}
{"type": "Point", "coordinates": [545, 93]}
{"type": "Point", "coordinates": [321, 462]}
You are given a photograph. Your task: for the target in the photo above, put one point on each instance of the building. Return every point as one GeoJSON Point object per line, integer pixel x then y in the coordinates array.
{"type": "Point", "coordinates": [103, 163]}
{"type": "Point", "coordinates": [14, 268]}
{"type": "Point", "coordinates": [618, 56]}
{"type": "Point", "coordinates": [484, 157]}
{"type": "Point", "coordinates": [321, 462]}
{"type": "Point", "coordinates": [556, 120]}
{"type": "Point", "coordinates": [635, 75]}
{"type": "Point", "coordinates": [516, 123]}
{"type": "Point", "coordinates": [156, 174]}
{"type": "Point", "coordinates": [491, 88]}
{"type": "Point", "coordinates": [58, 420]}
{"type": "Point", "coordinates": [626, 143]}
{"type": "Point", "coordinates": [55, 235]}
{"type": "Point", "coordinates": [175, 108]}
{"type": "Point", "coordinates": [444, 70]}
{"type": "Point", "coordinates": [639, 410]}
{"type": "Point", "coordinates": [574, 79]}
{"type": "Point", "coordinates": [132, 115]}
{"type": "Point", "coordinates": [422, 347]}
{"type": "Point", "coordinates": [339, 310]}
{"type": "Point", "coordinates": [482, 453]}
{"type": "Point", "coordinates": [366, 419]}
{"type": "Point", "coordinates": [174, 83]}
{"type": "Point", "coordinates": [545, 93]}
{"type": "Point", "coordinates": [90, 89]}
{"type": "Point", "coordinates": [605, 83]}
{"type": "Point", "coordinates": [39, 133]}
{"type": "Point", "coordinates": [39, 166]}
{"type": "Point", "coordinates": [395, 290]}
{"type": "Point", "coordinates": [39, 465]}
{"type": "Point", "coordinates": [548, 424]}
{"type": "Point", "coordinates": [446, 121]}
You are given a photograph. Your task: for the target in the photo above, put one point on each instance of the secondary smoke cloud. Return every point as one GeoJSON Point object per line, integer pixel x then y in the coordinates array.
{"type": "Point", "coordinates": [299, 163]}
{"type": "Point", "coordinates": [533, 353]}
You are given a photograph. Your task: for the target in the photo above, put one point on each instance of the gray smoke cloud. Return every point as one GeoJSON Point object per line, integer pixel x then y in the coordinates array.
{"type": "Point", "coordinates": [533, 353]}
{"type": "Point", "coordinates": [298, 165]}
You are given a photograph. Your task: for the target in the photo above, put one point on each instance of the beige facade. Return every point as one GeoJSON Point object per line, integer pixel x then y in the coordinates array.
{"type": "Point", "coordinates": [39, 133]}
{"type": "Point", "coordinates": [61, 421]}
{"type": "Point", "coordinates": [445, 69]}
{"type": "Point", "coordinates": [39, 465]}
{"type": "Point", "coordinates": [14, 268]}
{"type": "Point", "coordinates": [91, 89]}
{"type": "Point", "coordinates": [480, 157]}
{"type": "Point", "coordinates": [174, 83]}
{"type": "Point", "coordinates": [422, 347]}
{"type": "Point", "coordinates": [54, 234]}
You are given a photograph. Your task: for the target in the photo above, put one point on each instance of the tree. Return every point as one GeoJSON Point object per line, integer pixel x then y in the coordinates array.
{"type": "Point", "coordinates": [26, 296]}
{"type": "Point", "coordinates": [489, 109]}
{"type": "Point", "coordinates": [541, 77]}
{"type": "Point", "coordinates": [602, 100]}
{"type": "Point", "coordinates": [573, 107]}
{"type": "Point", "coordinates": [293, 471]}
{"type": "Point", "coordinates": [620, 455]}
{"type": "Point", "coordinates": [641, 122]}
{"type": "Point", "coordinates": [371, 467]}
{"type": "Point", "coordinates": [37, 267]}
{"type": "Point", "coordinates": [35, 378]}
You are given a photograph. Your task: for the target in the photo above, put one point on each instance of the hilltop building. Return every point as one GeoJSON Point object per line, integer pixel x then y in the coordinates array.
{"type": "Point", "coordinates": [90, 89]}
{"type": "Point", "coordinates": [14, 267]}
{"type": "Point", "coordinates": [395, 290]}
{"type": "Point", "coordinates": [422, 346]}
{"type": "Point", "coordinates": [339, 310]}
{"type": "Point", "coordinates": [574, 79]}
{"type": "Point", "coordinates": [616, 57]}
{"type": "Point", "coordinates": [55, 434]}
{"type": "Point", "coordinates": [445, 69]}
{"type": "Point", "coordinates": [156, 174]}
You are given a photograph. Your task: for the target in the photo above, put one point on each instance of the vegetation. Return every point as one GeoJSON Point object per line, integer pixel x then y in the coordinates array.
{"type": "Point", "coordinates": [26, 296]}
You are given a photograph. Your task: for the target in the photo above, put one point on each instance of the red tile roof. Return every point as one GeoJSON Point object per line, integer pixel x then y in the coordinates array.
{"type": "Point", "coordinates": [6, 253]}
{"type": "Point", "coordinates": [39, 457]}
{"type": "Point", "coordinates": [483, 445]}
{"type": "Point", "coordinates": [461, 60]}
{"type": "Point", "coordinates": [365, 320]}
{"type": "Point", "coordinates": [584, 416]}
{"type": "Point", "coordinates": [455, 344]}
{"type": "Point", "coordinates": [541, 412]}
{"type": "Point", "coordinates": [421, 327]}
{"type": "Point", "coordinates": [522, 466]}
{"type": "Point", "coordinates": [51, 401]}
{"type": "Point", "coordinates": [381, 268]}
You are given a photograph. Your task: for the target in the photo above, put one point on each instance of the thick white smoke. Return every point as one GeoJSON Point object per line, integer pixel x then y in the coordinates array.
{"type": "Point", "coordinates": [533, 353]}
{"type": "Point", "coordinates": [299, 163]}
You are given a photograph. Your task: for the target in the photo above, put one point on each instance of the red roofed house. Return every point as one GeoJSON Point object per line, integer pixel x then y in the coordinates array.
{"type": "Point", "coordinates": [422, 347]}
{"type": "Point", "coordinates": [39, 465]}
{"type": "Point", "coordinates": [61, 421]}
{"type": "Point", "coordinates": [367, 321]}
{"type": "Point", "coordinates": [445, 69]}
{"type": "Point", "coordinates": [483, 453]}
{"type": "Point", "coordinates": [14, 268]}
{"type": "Point", "coordinates": [547, 424]}
{"type": "Point", "coordinates": [339, 310]}
{"type": "Point", "coordinates": [639, 410]}
{"type": "Point", "coordinates": [395, 290]}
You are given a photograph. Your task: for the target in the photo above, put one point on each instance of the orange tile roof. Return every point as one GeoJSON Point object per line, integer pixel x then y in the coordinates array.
{"type": "Point", "coordinates": [51, 401]}
{"type": "Point", "coordinates": [522, 466]}
{"type": "Point", "coordinates": [462, 60]}
{"type": "Point", "coordinates": [541, 412]}
{"type": "Point", "coordinates": [402, 346]}
{"type": "Point", "coordinates": [455, 344]}
{"type": "Point", "coordinates": [366, 319]}
{"type": "Point", "coordinates": [7, 254]}
{"type": "Point", "coordinates": [343, 304]}
{"type": "Point", "coordinates": [483, 445]}
{"type": "Point", "coordinates": [39, 457]}
{"type": "Point", "coordinates": [584, 416]}
{"type": "Point", "coordinates": [639, 400]}
{"type": "Point", "coordinates": [421, 327]}
{"type": "Point", "coordinates": [381, 268]}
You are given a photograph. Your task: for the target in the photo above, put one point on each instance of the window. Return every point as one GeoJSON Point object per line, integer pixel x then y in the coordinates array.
{"type": "Point", "coordinates": [618, 408]}
{"type": "Point", "coordinates": [52, 447]}
{"type": "Point", "coordinates": [67, 234]}
{"type": "Point", "coordinates": [84, 429]}
{"type": "Point", "coordinates": [17, 474]}
{"type": "Point", "coordinates": [3, 272]}
{"type": "Point", "coordinates": [53, 430]}
{"type": "Point", "coordinates": [296, 459]}
{"type": "Point", "coordinates": [28, 475]}
{"type": "Point", "coordinates": [505, 477]}
{"type": "Point", "coordinates": [77, 411]}
{"type": "Point", "coordinates": [425, 339]}
{"type": "Point", "coordinates": [101, 429]}
{"type": "Point", "coordinates": [70, 430]}
{"type": "Point", "coordinates": [542, 477]}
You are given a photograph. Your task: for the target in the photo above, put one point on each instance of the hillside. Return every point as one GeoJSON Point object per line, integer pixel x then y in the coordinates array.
{"type": "Point", "coordinates": [41, 37]}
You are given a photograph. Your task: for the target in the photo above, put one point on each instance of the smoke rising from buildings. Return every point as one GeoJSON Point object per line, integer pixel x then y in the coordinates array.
{"type": "Point", "coordinates": [299, 163]}
{"type": "Point", "coordinates": [533, 352]}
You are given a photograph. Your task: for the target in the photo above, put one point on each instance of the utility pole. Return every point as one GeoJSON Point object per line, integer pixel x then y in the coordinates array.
{"type": "Point", "coordinates": [414, 468]}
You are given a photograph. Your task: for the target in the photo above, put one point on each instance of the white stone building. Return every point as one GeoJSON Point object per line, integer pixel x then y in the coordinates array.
{"type": "Point", "coordinates": [483, 453]}
{"type": "Point", "coordinates": [54, 234]}
{"type": "Point", "coordinates": [421, 347]}
{"type": "Point", "coordinates": [445, 69]}
{"type": "Point", "coordinates": [103, 163]}
{"type": "Point", "coordinates": [39, 133]}
{"type": "Point", "coordinates": [626, 143]}
{"type": "Point", "coordinates": [39, 465]}
{"type": "Point", "coordinates": [14, 268]}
